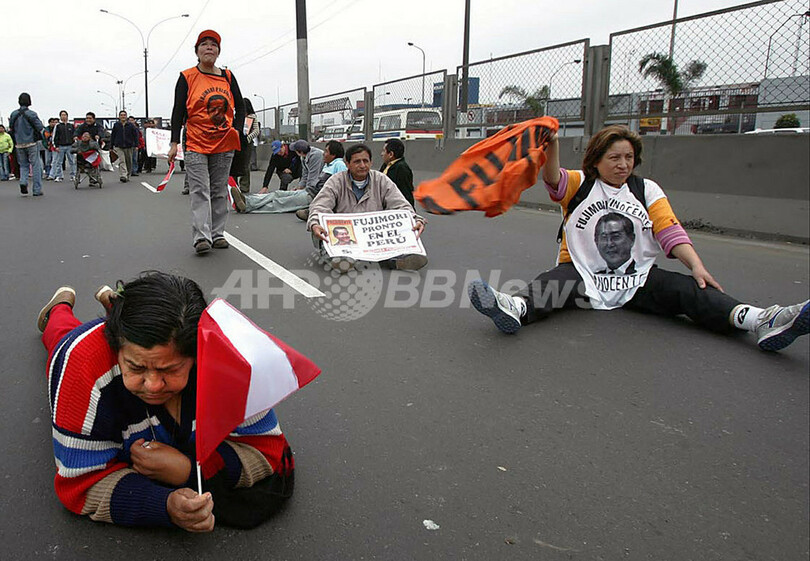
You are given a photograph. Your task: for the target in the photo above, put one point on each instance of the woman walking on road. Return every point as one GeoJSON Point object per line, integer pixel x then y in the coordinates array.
{"type": "Point", "coordinates": [208, 102]}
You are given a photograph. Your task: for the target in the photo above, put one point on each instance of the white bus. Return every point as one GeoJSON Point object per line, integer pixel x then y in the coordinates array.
{"type": "Point", "coordinates": [335, 132]}
{"type": "Point", "coordinates": [405, 124]}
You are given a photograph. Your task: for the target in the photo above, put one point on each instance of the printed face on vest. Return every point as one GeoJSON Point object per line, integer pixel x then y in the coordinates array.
{"type": "Point", "coordinates": [614, 237]}
{"type": "Point", "coordinates": [616, 164]}
{"type": "Point", "coordinates": [217, 107]}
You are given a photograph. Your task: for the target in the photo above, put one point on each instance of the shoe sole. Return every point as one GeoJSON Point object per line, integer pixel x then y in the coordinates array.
{"type": "Point", "coordinates": [411, 262]}
{"type": "Point", "coordinates": [483, 299]}
{"type": "Point", "coordinates": [100, 291]}
{"type": "Point", "coordinates": [799, 327]}
{"type": "Point", "coordinates": [238, 200]}
{"type": "Point", "coordinates": [201, 250]}
{"type": "Point", "coordinates": [42, 318]}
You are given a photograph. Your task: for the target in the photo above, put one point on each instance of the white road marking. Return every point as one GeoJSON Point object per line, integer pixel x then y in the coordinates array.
{"type": "Point", "coordinates": [145, 184]}
{"type": "Point", "coordinates": [291, 280]}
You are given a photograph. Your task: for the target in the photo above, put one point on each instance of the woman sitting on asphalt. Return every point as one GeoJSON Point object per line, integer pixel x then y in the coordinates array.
{"type": "Point", "coordinates": [615, 225]}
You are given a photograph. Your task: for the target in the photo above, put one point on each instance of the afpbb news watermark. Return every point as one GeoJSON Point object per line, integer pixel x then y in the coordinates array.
{"type": "Point", "coordinates": [352, 294]}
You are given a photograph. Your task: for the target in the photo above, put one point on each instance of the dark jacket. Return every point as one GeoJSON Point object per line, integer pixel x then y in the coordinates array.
{"type": "Point", "coordinates": [124, 136]}
{"type": "Point", "coordinates": [95, 130]}
{"type": "Point", "coordinates": [401, 174]}
{"type": "Point", "coordinates": [63, 134]}
{"type": "Point", "coordinates": [279, 163]}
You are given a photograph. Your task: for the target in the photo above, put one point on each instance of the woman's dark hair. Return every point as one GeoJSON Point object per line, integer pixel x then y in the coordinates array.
{"type": "Point", "coordinates": [357, 148]}
{"type": "Point", "coordinates": [156, 309]}
{"type": "Point", "coordinates": [604, 139]}
{"type": "Point", "coordinates": [24, 99]}
{"type": "Point", "coordinates": [248, 107]}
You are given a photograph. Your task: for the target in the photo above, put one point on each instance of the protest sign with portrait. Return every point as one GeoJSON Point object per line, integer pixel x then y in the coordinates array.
{"type": "Point", "coordinates": [371, 236]}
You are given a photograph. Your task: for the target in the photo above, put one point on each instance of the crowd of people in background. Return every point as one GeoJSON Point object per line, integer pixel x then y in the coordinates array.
{"type": "Point", "coordinates": [51, 147]}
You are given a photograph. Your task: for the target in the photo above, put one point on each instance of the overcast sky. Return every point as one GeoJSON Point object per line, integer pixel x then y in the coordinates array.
{"type": "Point", "coordinates": [53, 47]}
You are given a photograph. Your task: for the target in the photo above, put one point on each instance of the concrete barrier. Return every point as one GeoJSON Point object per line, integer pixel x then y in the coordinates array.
{"type": "Point", "coordinates": [753, 185]}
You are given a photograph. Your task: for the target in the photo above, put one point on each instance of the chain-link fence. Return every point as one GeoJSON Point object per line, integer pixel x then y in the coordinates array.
{"type": "Point", "coordinates": [333, 114]}
{"type": "Point", "coordinates": [288, 119]}
{"type": "Point", "coordinates": [714, 72]}
{"type": "Point", "coordinates": [513, 88]}
{"type": "Point", "coordinates": [267, 122]}
{"type": "Point", "coordinates": [409, 108]}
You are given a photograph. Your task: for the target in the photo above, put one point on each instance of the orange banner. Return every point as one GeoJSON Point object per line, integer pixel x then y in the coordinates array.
{"type": "Point", "coordinates": [490, 175]}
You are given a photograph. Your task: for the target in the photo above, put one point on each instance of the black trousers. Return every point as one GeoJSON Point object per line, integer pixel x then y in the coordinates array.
{"type": "Point", "coordinates": [665, 293]}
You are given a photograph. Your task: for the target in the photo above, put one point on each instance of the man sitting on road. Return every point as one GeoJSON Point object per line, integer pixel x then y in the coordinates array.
{"type": "Point", "coordinates": [311, 163]}
{"type": "Point", "coordinates": [298, 199]}
{"type": "Point", "coordinates": [283, 163]}
{"type": "Point", "coordinates": [361, 189]}
{"type": "Point", "coordinates": [395, 167]}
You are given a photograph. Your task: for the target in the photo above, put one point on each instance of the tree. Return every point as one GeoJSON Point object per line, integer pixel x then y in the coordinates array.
{"type": "Point", "coordinates": [536, 101]}
{"type": "Point", "coordinates": [787, 121]}
{"type": "Point", "coordinates": [663, 69]}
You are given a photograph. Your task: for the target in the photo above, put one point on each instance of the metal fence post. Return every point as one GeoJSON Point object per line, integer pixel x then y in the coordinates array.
{"type": "Point", "coordinates": [277, 123]}
{"type": "Point", "coordinates": [450, 106]}
{"type": "Point", "coordinates": [597, 82]}
{"type": "Point", "coordinates": [368, 116]}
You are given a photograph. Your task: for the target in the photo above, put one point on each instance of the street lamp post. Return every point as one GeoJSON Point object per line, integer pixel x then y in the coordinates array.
{"type": "Point", "coordinates": [550, 80]}
{"type": "Point", "coordinates": [770, 38]}
{"type": "Point", "coordinates": [112, 97]}
{"type": "Point", "coordinates": [423, 69]}
{"type": "Point", "coordinates": [118, 82]}
{"type": "Point", "coordinates": [145, 43]}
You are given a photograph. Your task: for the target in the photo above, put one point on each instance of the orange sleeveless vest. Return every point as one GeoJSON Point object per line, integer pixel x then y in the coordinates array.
{"type": "Point", "coordinates": [210, 107]}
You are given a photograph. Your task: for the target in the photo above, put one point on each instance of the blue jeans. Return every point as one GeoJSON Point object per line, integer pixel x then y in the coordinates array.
{"type": "Point", "coordinates": [56, 168]}
{"type": "Point", "coordinates": [26, 156]}
{"type": "Point", "coordinates": [5, 168]}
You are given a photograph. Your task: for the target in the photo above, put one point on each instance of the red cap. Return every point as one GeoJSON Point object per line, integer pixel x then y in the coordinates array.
{"type": "Point", "coordinates": [208, 34]}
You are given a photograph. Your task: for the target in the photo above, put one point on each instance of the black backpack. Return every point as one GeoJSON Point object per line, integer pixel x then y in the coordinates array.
{"type": "Point", "coordinates": [634, 183]}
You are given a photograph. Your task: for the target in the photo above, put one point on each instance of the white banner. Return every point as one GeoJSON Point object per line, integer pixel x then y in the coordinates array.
{"type": "Point", "coordinates": [158, 142]}
{"type": "Point", "coordinates": [371, 236]}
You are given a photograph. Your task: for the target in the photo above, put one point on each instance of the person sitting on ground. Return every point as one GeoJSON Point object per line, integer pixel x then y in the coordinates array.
{"type": "Point", "coordinates": [601, 266]}
{"type": "Point", "coordinates": [311, 163]}
{"type": "Point", "coordinates": [395, 167]}
{"type": "Point", "coordinates": [296, 200]}
{"type": "Point", "coordinates": [122, 391]}
{"type": "Point", "coordinates": [361, 189]}
{"type": "Point", "coordinates": [284, 163]}
{"type": "Point", "coordinates": [88, 151]}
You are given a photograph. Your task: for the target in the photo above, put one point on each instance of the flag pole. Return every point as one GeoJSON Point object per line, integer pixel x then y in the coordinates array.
{"type": "Point", "coordinates": [199, 479]}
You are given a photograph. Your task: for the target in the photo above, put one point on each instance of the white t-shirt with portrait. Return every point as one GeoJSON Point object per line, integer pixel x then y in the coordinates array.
{"type": "Point", "coordinates": [614, 264]}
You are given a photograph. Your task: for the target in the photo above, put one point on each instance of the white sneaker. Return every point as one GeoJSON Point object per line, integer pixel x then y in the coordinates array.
{"type": "Point", "coordinates": [501, 308]}
{"type": "Point", "coordinates": [59, 180]}
{"type": "Point", "coordinates": [780, 325]}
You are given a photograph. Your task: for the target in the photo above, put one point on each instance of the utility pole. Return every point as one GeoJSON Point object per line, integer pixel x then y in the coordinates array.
{"type": "Point", "coordinates": [465, 63]}
{"type": "Point", "coordinates": [303, 69]}
{"type": "Point", "coordinates": [672, 33]}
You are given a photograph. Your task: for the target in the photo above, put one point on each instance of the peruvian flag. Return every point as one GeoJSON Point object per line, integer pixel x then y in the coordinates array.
{"type": "Point", "coordinates": [162, 185]}
{"type": "Point", "coordinates": [241, 371]}
{"type": "Point", "coordinates": [92, 157]}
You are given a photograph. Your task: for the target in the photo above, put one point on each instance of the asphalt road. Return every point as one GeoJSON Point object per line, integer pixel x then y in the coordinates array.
{"type": "Point", "coordinates": [590, 435]}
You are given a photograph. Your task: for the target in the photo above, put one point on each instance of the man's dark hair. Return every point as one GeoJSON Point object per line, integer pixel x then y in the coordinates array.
{"type": "Point", "coordinates": [356, 149]}
{"type": "Point", "coordinates": [122, 111]}
{"type": "Point", "coordinates": [90, 114]}
{"type": "Point", "coordinates": [24, 100]}
{"type": "Point", "coordinates": [156, 309]}
{"type": "Point", "coordinates": [396, 147]}
{"type": "Point", "coordinates": [335, 148]}
{"type": "Point", "coordinates": [336, 228]}
{"type": "Point", "coordinates": [63, 111]}
{"type": "Point", "coordinates": [627, 224]}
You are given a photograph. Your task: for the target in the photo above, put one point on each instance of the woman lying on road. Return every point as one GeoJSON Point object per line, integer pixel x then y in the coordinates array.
{"type": "Point", "coordinates": [123, 397]}
{"type": "Point", "coordinates": [614, 227]}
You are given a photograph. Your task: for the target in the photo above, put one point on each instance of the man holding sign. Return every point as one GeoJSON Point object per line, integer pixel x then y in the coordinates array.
{"type": "Point", "coordinates": [360, 190]}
